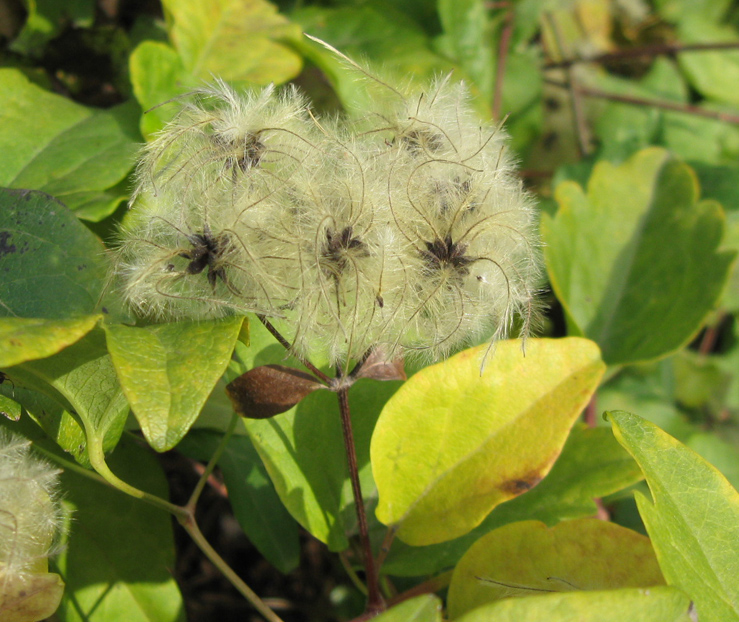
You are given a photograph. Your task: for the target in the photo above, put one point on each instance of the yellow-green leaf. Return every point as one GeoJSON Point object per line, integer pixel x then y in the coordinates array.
{"type": "Point", "coordinates": [157, 75]}
{"type": "Point", "coordinates": [693, 517]}
{"type": "Point", "coordinates": [528, 558]}
{"type": "Point", "coordinates": [26, 339]}
{"type": "Point", "coordinates": [654, 604]}
{"type": "Point", "coordinates": [234, 39]}
{"type": "Point", "coordinates": [425, 608]}
{"type": "Point", "coordinates": [167, 372]}
{"type": "Point", "coordinates": [452, 444]}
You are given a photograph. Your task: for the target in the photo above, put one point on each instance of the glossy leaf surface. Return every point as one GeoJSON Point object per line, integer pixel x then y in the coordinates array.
{"type": "Point", "coordinates": [656, 604]}
{"type": "Point", "coordinates": [452, 443]}
{"type": "Point", "coordinates": [528, 558]}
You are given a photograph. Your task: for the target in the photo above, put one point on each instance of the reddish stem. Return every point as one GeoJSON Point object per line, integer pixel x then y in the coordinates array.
{"type": "Point", "coordinates": [505, 40]}
{"type": "Point", "coordinates": [375, 602]}
{"type": "Point", "coordinates": [647, 50]}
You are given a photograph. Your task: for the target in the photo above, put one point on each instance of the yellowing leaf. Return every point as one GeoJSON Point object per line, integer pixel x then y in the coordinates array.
{"type": "Point", "coordinates": [26, 339]}
{"type": "Point", "coordinates": [654, 604]}
{"type": "Point", "coordinates": [451, 444]}
{"type": "Point", "coordinates": [28, 597]}
{"type": "Point", "coordinates": [528, 558]}
{"type": "Point", "coordinates": [233, 39]}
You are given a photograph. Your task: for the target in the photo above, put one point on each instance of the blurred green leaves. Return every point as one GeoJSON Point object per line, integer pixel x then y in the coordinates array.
{"type": "Point", "coordinates": [654, 269]}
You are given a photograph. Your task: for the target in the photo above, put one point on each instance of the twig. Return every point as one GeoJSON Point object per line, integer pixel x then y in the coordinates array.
{"type": "Point", "coordinates": [430, 586]}
{"type": "Point", "coordinates": [286, 344]}
{"type": "Point", "coordinates": [578, 114]}
{"type": "Point", "coordinates": [192, 529]}
{"type": "Point", "coordinates": [375, 602]}
{"type": "Point", "coordinates": [711, 335]}
{"type": "Point", "coordinates": [591, 410]}
{"type": "Point", "coordinates": [385, 546]}
{"type": "Point", "coordinates": [192, 502]}
{"type": "Point", "coordinates": [647, 50]}
{"type": "Point", "coordinates": [716, 115]}
{"type": "Point", "coordinates": [503, 46]}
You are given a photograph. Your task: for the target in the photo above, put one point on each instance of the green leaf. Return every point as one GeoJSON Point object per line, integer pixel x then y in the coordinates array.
{"type": "Point", "coordinates": [592, 465]}
{"type": "Point", "coordinates": [51, 264]}
{"type": "Point", "coordinates": [452, 444]}
{"type": "Point", "coordinates": [80, 378]}
{"type": "Point", "coordinates": [693, 517]}
{"type": "Point", "coordinates": [426, 608]}
{"type": "Point", "coordinates": [238, 40]}
{"type": "Point", "coordinates": [528, 558]}
{"type": "Point", "coordinates": [255, 503]}
{"type": "Point", "coordinates": [303, 452]}
{"type": "Point", "coordinates": [641, 388]}
{"type": "Point", "coordinates": [686, 10]}
{"type": "Point", "coordinates": [719, 453]}
{"type": "Point", "coordinates": [720, 183]}
{"type": "Point", "coordinates": [157, 75]}
{"type": "Point", "coordinates": [303, 448]}
{"type": "Point", "coordinates": [48, 413]}
{"type": "Point", "coordinates": [26, 339]}
{"type": "Point", "coordinates": [375, 31]}
{"type": "Point", "coordinates": [167, 372]}
{"type": "Point", "coordinates": [45, 21]}
{"type": "Point", "coordinates": [712, 73]}
{"type": "Point", "coordinates": [10, 409]}
{"type": "Point", "coordinates": [652, 271]}
{"type": "Point", "coordinates": [119, 555]}
{"type": "Point", "coordinates": [656, 604]}
{"type": "Point", "coordinates": [67, 150]}
{"type": "Point", "coordinates": [467, 40]}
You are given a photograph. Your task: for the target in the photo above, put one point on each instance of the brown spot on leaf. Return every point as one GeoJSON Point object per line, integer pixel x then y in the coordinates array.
{"type": "Point", "coordinates": [519, 486]}
{"type": "Point", "coordinates": [269, 390]}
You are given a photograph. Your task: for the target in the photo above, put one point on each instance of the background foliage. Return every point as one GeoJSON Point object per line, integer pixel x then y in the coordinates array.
{"type": "Point", "coordinates": [624, 116]}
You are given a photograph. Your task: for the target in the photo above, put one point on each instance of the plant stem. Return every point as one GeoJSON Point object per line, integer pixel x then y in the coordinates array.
{"type": "Point", "coordinates": [192, 502]}
{"type": "Point", "coordinates": [647, 50]}
{"type": "Point", "coordinates": [375, 602]}
{"type": "Point", "coordinates": [352, 574]}
{"type": "Point", "coordinates": [286, 344]}
{"type": "Point", "coordinates": [505, 41]}
{"type": "Point", "coordinates": [192, 528]}
{"type": "Point", "coordinates": [430, 586]}
{"type": "Point", "coordinates": [717, 115]}
{"type": "Point", "coordinates": [385, 546]}
{"type": "Point", "coordinates": [186, 517]}
{"type": "Point", "coordinates": [97, 460]}
{"type": "Point", "coordinates": [582, 131]}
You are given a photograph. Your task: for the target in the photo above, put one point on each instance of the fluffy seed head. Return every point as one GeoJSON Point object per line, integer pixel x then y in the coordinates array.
{"type": "Point", "coordinates": [30, 515]}
{"type": "Point", "coordinates": [407, 229]}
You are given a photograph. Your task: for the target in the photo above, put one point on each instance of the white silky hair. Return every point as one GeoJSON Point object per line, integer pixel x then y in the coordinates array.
{"type": "Point", "coordinates": [405, 227]}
